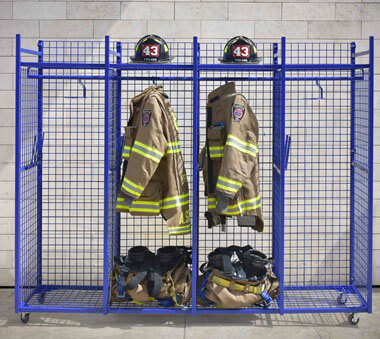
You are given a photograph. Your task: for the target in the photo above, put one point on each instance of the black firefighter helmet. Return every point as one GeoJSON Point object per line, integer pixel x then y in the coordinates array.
{"type": "Point", "coordinates": [240, 49]}
{"type": "Point", "coordinates": [152, 48]}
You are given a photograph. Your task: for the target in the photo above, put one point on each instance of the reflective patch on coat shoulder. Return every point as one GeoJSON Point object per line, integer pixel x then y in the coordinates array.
{"type": "Point", "coordinates": [238, 112]}
{"type": "Point", "coordinates": [146, 115]}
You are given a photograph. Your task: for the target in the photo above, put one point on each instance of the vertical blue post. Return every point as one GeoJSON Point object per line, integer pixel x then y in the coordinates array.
{"type": "Point", "coordinates": [39, 170]}
{"type": "Point", "coordinates": [370, 172]}
{"type": "Point", "coordinates": [282, 224]}
{"type": "Point", "coordinates": [276, 106]}
{"type": "Point", "coordinates": [195, 172]}
{"type": "Point", "coordinates": [352, 170]}
{"type": "Point", "coordinates": [17, 173]}
{"type": "Point", "coordinates": [118, 138]}
{"type": "Point", "coordinates": [106, 171]}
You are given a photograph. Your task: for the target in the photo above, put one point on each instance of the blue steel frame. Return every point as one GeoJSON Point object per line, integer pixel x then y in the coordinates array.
{"type": "Point", "coordinates": [279, 80]}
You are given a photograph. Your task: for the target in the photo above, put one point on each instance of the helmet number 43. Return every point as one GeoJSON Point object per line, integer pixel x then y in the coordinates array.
{"type": "Point", "coordinates": [150, 50]}
{"type": "Point", "coordinates": [240, 51]}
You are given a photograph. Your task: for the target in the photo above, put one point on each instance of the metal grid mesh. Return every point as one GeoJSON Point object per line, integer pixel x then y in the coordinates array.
{"type": "Point", "coordinates": [317, 219]}
{"type": "Point", "coordinates": [318, 53]}
{"type": "Point", "coordinates": [75, 52]}
{"type": "Point", "coordinates": [260, 97]}
{"type": "Point", "coordinates": [360, 270]}
{"type": "Point", "coordinates": [73, 192]}
{"type": "Point", "coordinates": [28, 187]}
{"type": "Point", "coordinates": [152, 231]}
{"type": "Point", "coordinates": [114, 173]}
{"type": "Point", "coordinates": [322, 298]}
{"type": "Point", "coordinates": [317, 192]}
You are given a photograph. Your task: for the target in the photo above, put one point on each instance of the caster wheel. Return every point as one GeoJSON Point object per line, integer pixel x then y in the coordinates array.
{"type": "Point", "coordinates": [353, 319]}
{"type": "Point", "coordinates": [342, 299]}
{"type": "Point", "coordinates": [24, 317]}
{"type": "Point", "coordinates": [41, 298]}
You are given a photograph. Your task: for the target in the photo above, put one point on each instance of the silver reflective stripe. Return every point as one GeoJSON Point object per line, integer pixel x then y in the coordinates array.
{"type": "Point", "coordinates": [174, 147]}
{"type": "Point", "coordinates": [175, 202]}
{"type": "Point", "coordinates": [253, 204]}
{"type": "Point", "coordinates": [216, 153]}
{"type": "Point", "coordinates": [241, 145]}
{"type": "Point", "coordinates": [146, 151]}
{"type": "Point", "coordinates": [179, 229]}
{"type": "Point", "coordinates": [129, 188]}
{"type": "Point", "coordinates": [228, 184]}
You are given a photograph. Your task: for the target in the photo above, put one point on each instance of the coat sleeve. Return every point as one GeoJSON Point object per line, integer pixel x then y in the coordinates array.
{"type": "Point", "coordinates": [147, 150]}
{"type": "Point", "coordinates": [240, 150]}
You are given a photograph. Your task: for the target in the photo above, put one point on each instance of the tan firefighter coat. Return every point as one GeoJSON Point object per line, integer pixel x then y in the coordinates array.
{"type": "Point", "coordinates": [154, 181]}
{"type": "Point", "coordinates": [233, 149]}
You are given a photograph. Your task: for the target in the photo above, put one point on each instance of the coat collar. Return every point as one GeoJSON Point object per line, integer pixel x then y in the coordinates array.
{"type": "Point", "coordinates": [221, 91]}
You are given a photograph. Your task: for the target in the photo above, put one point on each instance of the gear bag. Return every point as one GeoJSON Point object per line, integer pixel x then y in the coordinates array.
{"type": "Point", "coordinates": [142, 276]}
{"type": "Point", "coordinates": [237, 277]}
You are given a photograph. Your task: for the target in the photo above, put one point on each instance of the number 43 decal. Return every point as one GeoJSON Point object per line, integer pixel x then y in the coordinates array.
{"type": "Point", "coordinates": [150, 50]}
{"type": "Point", "coordinates": [240, 51]}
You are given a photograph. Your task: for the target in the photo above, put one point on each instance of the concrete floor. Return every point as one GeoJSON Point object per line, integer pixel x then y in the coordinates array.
{"type": "Point", "coordinates": [292, 326]}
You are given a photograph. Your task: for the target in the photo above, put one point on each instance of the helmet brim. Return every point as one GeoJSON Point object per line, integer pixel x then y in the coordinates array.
{"type": "Point", "coordinates": [138, 61]}
{"type": "Point", "coordinates": [252, 62]}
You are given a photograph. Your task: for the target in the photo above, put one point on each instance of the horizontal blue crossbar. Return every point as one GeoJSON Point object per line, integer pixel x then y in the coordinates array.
{"type": "Point", "coordinates": [150, 310]}
{"type": "Point", "coordinates": [30, 51]}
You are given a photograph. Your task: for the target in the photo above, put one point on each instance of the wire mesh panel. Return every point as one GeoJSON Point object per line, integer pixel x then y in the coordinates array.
{"type": "Point", "coordinates": [28, 219]}
{"type": "Point", "coordinates": [152, 231]}
{"type": "Point", "coordinates": [73, 194]}
{"type": "Point", "coordinates": [70, 228]}
{"type": "Point", "coordinates": [361, 237]}
{"type": "Point", "coordinates": [318, 180]}
{"type": "Point", "coordinates": [68, 110]}
{"type": "Point", "coordinates": [259, 93]}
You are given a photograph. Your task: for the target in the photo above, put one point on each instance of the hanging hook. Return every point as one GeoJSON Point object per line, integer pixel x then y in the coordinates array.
{"type": "Point", "coordinates": [320, 97]}
{"type": "Point", "coordinates": [84, 91]}
{"type": "Point", "coordinates": [83, 86]}
{"type": "Point", "coordinates": [155, 82]}
{"type": "Point", "coordinates": [320, 89]}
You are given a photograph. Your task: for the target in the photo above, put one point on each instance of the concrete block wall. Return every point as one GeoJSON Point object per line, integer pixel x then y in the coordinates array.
{"type": "Point", "coordinates": [179, 19]}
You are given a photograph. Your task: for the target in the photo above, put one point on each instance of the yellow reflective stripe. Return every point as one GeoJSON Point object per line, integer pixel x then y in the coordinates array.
{"type": "Point", "coordinates": [240, 149]}
{"type": "Point", "coordinates": [181, 203]}
{"type": "Point", "coordinates": [141, 188]}
{"type": "Point", "coordinates": [226, 188]}
{"type": "Point", "coordinates": [230, 181]}
{"type": "Point", "coordinates": [145, 155]}
{"type": "Point", "coordinates": [179, 229]}
{"type": "Point", "coordinates": [238, 208]}
{"type": "Point", "coordinates": [175, 143]}
{"type": "Point", "coordinates": [147, 151]}
{"type": "Point", "coordinates": [216, 151]}
{"type": "Point", "coordinates": [156, 206]}
{"type": "Point", "coordinates": [173, 147]}
{"type": "Point", "coordinates": [129, 190]}
{"type": "Point", "coordinates": [242, 146]}
{"type": "Point", "coordinates": [149, 148]}
{"type": "Point", "coordinates": [126, 151]}
{"type": "Point", "coordinates": [228, 184]}
{"type": "Point", "coordinates": [138, 209]}
{"type": "Point", "coordinates": [142, 202]}
{"type": "Point", "coordinates": [244, 143]}
{"type": "Point", "coordinates": [175, 197]}
{"type": "Point", "coordinates": [182, 232]}
{"type": "Point", "coordinates": [213, 148]}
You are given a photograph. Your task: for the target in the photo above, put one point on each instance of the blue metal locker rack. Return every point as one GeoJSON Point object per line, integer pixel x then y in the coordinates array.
{"type": "Point", "coordinates": [314, 103]}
